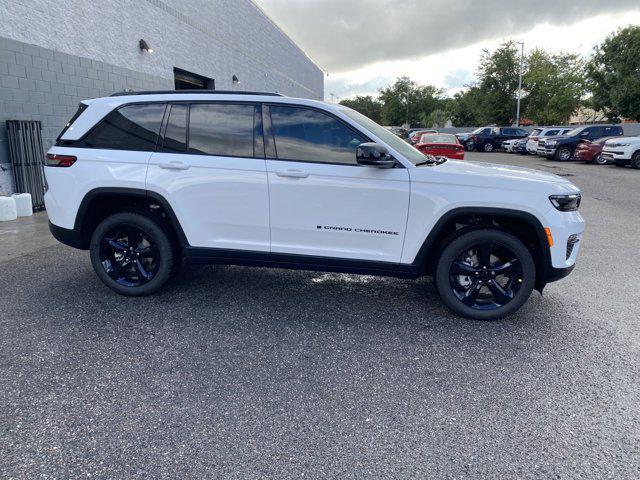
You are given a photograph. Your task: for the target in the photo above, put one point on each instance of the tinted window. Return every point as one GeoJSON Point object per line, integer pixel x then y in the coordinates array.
{"type": "Point", "coordinates": [175, 137]}
{"type": "Point", "coordinates": [134, 127]}
{"type": "Point", "coordinates": [551, 133]}
{"type": "Point", "coordinates": [508, 131]}
{"type": "Point", "coordinates": [521, 132]}
{"type": "Point", "coordinates": [612, 131]}
{"type": "Point", "coordinates": [221, 129]}
{"type": "Point", "coordinates": [309, 135]}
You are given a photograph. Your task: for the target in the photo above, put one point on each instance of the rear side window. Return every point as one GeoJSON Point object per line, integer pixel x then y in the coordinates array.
{"type": "Point", "coordinates": [612, 131]}
{"type": "Point", "coordinates": [81, 108]}
{"type": "Point", "coordinates": [551, 133]}
{"type": "Point", "coordinates": [175, 136]}
{"type": "Point", "coordinates": [134, 127]}
{"type": "Point", "coordinates": [222, 129]}
{"type": "Point", "coordinates": [302, 134]}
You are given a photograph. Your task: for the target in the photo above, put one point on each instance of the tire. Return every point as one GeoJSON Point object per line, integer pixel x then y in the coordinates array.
{"type": "Point", "coordinates": [488, 147]}
{"type": "Point", "coordinates": [598, 159]}
{"type": "Point", "coordinates": [478, 301]}
{"type": "Point", "coordinates": [137, 266]}
{"type": "Point", "coordinates": [469, 146]}
{"type": "Point", "coordinates": [564, 154]}
{"type": "Point", "coordinates": [635, 161]}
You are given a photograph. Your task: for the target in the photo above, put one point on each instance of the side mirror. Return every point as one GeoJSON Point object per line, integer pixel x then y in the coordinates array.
{"type": "Point", "coordinates": [374, 155]}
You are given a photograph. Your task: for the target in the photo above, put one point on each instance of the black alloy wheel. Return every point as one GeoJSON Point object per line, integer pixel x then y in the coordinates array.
{"type": "Point", "coordinates": [635, 161]}
{"type": "Point", "coordinates": [129, 256]}
{"type": "Point", "coordinates": [485, 274]}
{"type": "Point", "coordinates": [132, 254]}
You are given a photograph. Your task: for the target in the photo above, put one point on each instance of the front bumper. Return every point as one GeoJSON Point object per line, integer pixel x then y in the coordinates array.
{"type": "Point", "coordinates": [619, 155]}
{"type": "Point", "coordinates": [547, 151]}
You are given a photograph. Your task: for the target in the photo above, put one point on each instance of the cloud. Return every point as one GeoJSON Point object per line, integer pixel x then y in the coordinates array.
{"type": "Point", "coordinates": [344, 35]}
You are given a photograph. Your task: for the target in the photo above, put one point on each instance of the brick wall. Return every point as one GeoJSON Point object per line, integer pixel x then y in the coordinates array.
{"type": "Point", "coordinates": [40, 84]}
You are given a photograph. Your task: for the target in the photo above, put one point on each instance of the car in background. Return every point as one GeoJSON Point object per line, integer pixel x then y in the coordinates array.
{"type": "Point", "coordinates": [488, 142]}
{"type": "Point", "coordinates": [563, 147]}
{"type": "Point", "coordinates": [466, 140]}
{"type": "Point", "coordinates": [538, 133]}
{"type": "Point", "coordinates": [521, 146]}
{"type": "Point", "coordinates": [623, 151]}
{"type": "Point", "coordinates": [591, 151]}
{"type": "Point", "coordinates": [414, 135]}
{"type": "Point", "coordinates": [509, 145]}
{"type": "Point", "coordinates": [441, 145]}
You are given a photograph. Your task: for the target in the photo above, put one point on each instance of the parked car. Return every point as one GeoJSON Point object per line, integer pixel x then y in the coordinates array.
{"type": "Point", "coordinates": [398, 131]}
{"type": "Point", "coordinates": [623, 151]}
{"type": "Point", "coordinates": [468, 143]}
{"type": "Point", "coordinates": [591, 151]}
{"type": "Point", "coordinates": [534, 137]}
{"type": "Point", "coordinates": [563, 147]}
{"type": "Point", "coordinates": [414, 137]}
{"type": "Point", "coordinates": [488, 141]}
{"type": "Point", "coordinates": [509, 145]}
{"type": "Point", "coordinates": [441, 144]}
{"type": "Point", "coordinates": [521, 146]}
{"type": "Point", "coordinates": [144, 181]}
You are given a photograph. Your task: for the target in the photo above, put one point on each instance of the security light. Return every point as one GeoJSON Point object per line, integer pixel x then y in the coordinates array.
{"type": "Point", "coordinates": [144, 46]}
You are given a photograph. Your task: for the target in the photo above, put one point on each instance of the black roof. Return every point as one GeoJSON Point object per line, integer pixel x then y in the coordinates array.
{"type": "Point", "coordinates": [202, 92]}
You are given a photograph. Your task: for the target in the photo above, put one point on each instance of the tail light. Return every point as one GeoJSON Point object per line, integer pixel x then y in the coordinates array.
{"type": "Point", "coordinates": [55, 160]}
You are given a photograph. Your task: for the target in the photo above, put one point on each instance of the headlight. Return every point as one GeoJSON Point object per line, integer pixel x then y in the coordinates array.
{"type": "Point", "coordinates": [566, 203]}
{"type": "Point", "coordinates": [551, 143]}
{"type": "Point", "coordinates": [619, 144]}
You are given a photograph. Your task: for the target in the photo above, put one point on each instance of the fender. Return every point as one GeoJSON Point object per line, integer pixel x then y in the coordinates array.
{"type": "Point", "coordinates": [429, 246]}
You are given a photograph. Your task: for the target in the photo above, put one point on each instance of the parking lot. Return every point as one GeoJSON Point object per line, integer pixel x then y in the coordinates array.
{"type": "Point", "coordinates": [234, 372]}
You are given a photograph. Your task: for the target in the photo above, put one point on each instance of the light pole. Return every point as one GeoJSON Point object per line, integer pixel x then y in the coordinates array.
{"type": "Point", "coordinates": [520, 83]}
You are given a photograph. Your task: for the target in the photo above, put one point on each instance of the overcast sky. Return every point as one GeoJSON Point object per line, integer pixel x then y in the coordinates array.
{"type": "Point", "coordinates": [366, 44]}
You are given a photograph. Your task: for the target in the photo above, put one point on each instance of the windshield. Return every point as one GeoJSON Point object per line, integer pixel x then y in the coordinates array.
{"type": "Point", "coordinates": [478, 130]}
{"type": "Point", "coordinates": [406, 150]}
{"type": "Point", "coordinates": [438, 138]}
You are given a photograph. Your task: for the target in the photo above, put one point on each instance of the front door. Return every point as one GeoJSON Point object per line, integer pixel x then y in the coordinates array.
{"type": "Point", "coordinates": [216, 180]}
{"type": "Point", "coordinates": [322, 203]}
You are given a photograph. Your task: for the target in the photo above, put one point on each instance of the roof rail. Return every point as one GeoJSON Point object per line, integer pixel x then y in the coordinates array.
{"type": "Point", "coordinates": [201, 92]}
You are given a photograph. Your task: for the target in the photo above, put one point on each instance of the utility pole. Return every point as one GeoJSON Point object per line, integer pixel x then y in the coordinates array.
{"type": "Point", "coordinates": [407, 118]}
{"type": "Point", "coordinates": [331, 97]}
{"type": "Point", "coordinates": [520, 83]}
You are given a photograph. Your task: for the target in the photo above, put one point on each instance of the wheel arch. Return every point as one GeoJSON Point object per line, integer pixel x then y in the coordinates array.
{"type": "Point", "coordinates": [523, 225]}
{"type": "Point", "coordinates": [98, 203]}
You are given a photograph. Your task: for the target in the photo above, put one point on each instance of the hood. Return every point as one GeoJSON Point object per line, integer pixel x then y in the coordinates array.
{"type": "Point", "coordinates": [556, 138]}
{"type": "Point", "coordinates": [492, 176]}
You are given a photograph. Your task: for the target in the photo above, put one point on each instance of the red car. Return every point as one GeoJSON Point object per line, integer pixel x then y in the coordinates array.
{"type": "Point", "coordinates": [591, 151]}
{"type": "Point", "coordinates": [441, 144]}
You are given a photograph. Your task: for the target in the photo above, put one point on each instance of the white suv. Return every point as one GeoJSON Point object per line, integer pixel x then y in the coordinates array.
{"type": "Point", "coordinates": [622, 151]}
{"type": "Point", "coordinates": [146, 180]}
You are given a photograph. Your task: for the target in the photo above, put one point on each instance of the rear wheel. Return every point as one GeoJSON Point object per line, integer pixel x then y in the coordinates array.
{"type": "Point", "coordinates": [132, 254]}
{"type": "Point", "coordinates": [564, 154]}
{"type": "Point", "coordinates": [485, 274]}
{"type": "Point", "coordinates": [635, 160]}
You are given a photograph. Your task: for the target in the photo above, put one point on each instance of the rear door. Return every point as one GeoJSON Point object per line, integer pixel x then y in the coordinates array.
{"type": "Point", "coordinates": [211, 169]}
{"type": "Point", "coordinates": [322, 203]}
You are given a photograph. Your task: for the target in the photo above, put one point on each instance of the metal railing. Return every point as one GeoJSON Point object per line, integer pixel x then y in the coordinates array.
{"type": "Point", "coordinates": [27, 159]}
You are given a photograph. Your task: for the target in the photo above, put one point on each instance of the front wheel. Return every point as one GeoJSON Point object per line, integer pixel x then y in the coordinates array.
{"type": "Point", "coordinates": [485, 274]}
{"type": "Point", "coordinates": [564, 154]}
{"type": "Point", "coordinates": [132, 254]}
{"type": "Point", "coordinates": [635, 161]}
{"type": "Point", "coordinates": [599, 159]}
{"type": "Point", "coordinates": [470, 146]}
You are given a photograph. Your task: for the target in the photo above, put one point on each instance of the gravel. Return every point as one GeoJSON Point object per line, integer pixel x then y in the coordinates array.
{"type": "Point", "coordinates": [233, 372]}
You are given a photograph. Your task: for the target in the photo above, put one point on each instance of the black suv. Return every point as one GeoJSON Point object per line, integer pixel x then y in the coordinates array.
{"type": "Point", "coordinates": [488, 139]}
{"type": "Point", "coordinates": [563, 147]}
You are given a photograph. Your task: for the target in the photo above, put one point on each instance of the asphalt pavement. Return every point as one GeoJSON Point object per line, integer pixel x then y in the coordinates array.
{"type": "Point", "coordinates": [233, 372]}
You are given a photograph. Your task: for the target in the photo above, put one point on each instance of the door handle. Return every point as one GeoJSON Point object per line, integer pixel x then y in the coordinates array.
{"type": "Point", "coordinates": [174, 165]}
{"type": "Point", "coordinates": [292, 173]}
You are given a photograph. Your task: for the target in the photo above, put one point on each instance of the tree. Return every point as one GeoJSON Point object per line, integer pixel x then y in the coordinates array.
{"type": "Point", "coordinates": [406, 99]}
{"type": "Point", "coordinates": [613, 75]}
{"type": "Point", "coordinates": [465, 108]}
{"type": "Point", "coordinates": [366, 105]}
{"type": "Point", "coordinates": [498, 83]}
{"type": "Point", "coordinates": [554, 86]}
